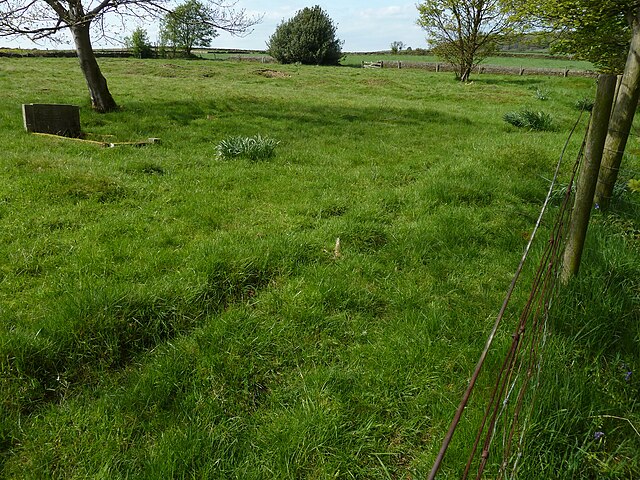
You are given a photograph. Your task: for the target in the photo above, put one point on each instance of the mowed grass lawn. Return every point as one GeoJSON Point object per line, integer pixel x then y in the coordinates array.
{"type": "Point", "coordinates": [168, 314]}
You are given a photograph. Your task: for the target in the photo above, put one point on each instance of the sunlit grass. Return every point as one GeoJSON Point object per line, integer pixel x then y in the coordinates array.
{"type": "Point", "coordinates": [169, 314]}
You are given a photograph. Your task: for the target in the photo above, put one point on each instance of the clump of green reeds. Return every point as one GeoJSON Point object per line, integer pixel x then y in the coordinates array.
{"type": "Point", "coordinates": [585, 103]}
{"type": "Point", "coordinates": [253, 148]}
{"type": "Point", "coordinates": [530, 119]}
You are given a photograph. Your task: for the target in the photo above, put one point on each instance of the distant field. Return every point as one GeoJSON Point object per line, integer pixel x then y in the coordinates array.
{"type": "Point", "coordinates": [524, 61]}
{"type": "Point", "coordinates": [170, 314]}
{"type": "Point", "coordinates": [356, 59]}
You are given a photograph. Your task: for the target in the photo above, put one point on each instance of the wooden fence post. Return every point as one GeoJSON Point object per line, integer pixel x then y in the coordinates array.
{"type": "Point", "coordinates": [621, 120]}
{"type": "Point", "coordinates": [586, 183]}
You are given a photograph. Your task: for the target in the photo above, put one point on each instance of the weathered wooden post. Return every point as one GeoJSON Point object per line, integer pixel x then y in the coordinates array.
{"type": "Point", "coordinates": [621, 120]}
{"type": "Point", "coordinates": [586, 183]}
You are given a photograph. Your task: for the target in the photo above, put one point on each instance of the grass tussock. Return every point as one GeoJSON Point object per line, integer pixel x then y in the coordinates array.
{"type": "Point", "coordinates": [529, 119]}
{"type": "Point", "coordinates": [252, 148]}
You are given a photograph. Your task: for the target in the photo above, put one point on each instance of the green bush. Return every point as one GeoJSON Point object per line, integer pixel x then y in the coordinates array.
{"type": "Point", "coordinates": [308, 38]}
{"type": "Point", "coordinates": [253, 148]}
{"type": "Point", "coordinates": [540, 121]}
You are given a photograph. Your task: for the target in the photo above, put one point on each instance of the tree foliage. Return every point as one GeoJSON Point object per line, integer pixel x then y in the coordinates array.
{"type": "Point", "coordinates": [595, 30]}
{"type": "Point", "coordinates": [138, 43]}
{"type": "Point", "coordinates": [309, 38]}
{"type": "Point", "coordinates": [464, 32]}
{"type": "Point", "coordinates": [189, 25]}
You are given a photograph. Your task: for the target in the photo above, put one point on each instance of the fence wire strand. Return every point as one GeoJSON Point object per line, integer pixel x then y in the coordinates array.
{"type": "Point", "coordinates": [523, 359]}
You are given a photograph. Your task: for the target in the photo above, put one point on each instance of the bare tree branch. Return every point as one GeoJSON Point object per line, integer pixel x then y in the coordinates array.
{"type": "Point", "coordinates": [38, 19]}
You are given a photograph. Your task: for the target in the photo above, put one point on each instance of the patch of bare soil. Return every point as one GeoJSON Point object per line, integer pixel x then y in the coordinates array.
{"type": "Point", "coordinates": [268, 73]}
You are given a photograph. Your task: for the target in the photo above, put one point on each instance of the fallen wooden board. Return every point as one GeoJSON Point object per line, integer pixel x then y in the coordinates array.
{"type": "Point", "coordinates": [141, 143]}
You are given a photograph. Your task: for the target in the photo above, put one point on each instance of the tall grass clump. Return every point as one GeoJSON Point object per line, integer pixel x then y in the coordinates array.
{"type": "Point", "coordinates": [530, 120]}
{"type": "Point", "coordinates": [252, 148]}
{"type": "Point", "coordinates": [585, 104]}
{"type": "Point", "coordinates": [541, 94]}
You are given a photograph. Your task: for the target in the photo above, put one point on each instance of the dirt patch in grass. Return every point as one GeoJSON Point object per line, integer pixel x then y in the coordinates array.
{"type": "Point", "coordinates": [268, 73]}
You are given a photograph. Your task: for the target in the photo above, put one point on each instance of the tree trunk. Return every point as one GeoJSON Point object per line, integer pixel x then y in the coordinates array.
{"type": "Point", "coordinates": [101, 99]}
{"type": "Point", "coordinates": [621, 120]}
{"type": "Point", "coordinates": [465, 74]}
{"type": "Point", "coordinates": [465, 70]}
{"type": "Point", "coordinates": [586, 183]}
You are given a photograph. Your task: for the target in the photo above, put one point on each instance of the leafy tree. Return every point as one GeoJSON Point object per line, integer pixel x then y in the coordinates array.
{"type": "Point", "coordinates": [189, 25]}
{"type": "Point", "coordinates": [309, 38]}
{"type": "Point", "coordinates": [595, 30]}
{"type": "Point", "coordinates": [139, 43]}
{"type": "Point", "coordinates": [606, 32]}
{"type": "Point", "coordinates": [396, 47]}
{"type": "Point", "coordinates": [38, 19]}
{"type": "Point", "coordinates": [464, 32]}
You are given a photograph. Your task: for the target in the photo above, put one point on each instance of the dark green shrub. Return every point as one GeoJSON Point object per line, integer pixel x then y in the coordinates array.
{"type": "Point", "coordinates": [308, 38]}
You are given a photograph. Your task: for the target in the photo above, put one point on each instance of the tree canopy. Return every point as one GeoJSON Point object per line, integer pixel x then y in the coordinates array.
{"type": "Point", "coordinates": [595, 30]}
{"type": "Point", "coordinates": [464, 32]}
{"type": "Point", "coordinates": [309, 38]}
{"type": "Point", "coordinates": [189, 25]}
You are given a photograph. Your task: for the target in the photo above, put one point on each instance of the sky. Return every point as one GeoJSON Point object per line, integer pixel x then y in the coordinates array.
{"type": "Point", "coordinates": [363, 25]}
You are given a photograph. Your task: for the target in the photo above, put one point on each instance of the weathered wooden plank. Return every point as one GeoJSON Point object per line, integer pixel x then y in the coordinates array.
{"type": "Point", "coordinates": [54, 119]}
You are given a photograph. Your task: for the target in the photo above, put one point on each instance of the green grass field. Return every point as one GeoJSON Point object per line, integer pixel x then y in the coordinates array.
{"type": "Point", "coordinates": [169, 314]}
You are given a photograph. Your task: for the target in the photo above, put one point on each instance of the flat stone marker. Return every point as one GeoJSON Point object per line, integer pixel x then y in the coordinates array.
{"type": "Point", "coordinates": [52, 118]}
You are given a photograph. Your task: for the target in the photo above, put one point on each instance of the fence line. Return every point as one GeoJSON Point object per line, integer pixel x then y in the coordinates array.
{"type": "Point", "coordinates": [489, 69]}
{"type": "Point", "coordinates": [533, 318]}
{"type": "Point", "coordinates": [397, 64]}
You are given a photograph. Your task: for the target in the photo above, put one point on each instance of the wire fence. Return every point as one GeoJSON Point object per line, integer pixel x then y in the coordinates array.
{"type": "Point", "coordinates": [512, 398]}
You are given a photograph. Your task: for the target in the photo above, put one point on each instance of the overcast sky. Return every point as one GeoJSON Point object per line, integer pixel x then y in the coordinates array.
{"type": "Point", "coordinates": [363, 25]}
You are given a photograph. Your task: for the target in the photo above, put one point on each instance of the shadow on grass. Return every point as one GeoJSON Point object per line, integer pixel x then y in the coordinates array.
{"type": "Point", "coordinates": [508, 80]}
{"type": "Point", "coordinates": [309, 113]}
